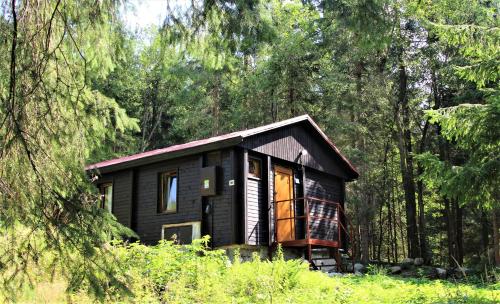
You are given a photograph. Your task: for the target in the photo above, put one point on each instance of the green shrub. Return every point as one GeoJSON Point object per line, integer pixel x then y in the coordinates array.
{"type": "Point", "coordinates": [170, 273]}
{"type": "Point", "coordinates": [377, 269]}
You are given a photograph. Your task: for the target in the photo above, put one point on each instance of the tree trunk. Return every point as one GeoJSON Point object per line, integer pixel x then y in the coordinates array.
{"type": "Point", "coordinates": [404, 238]}
{"type": "Point", "coordinates": [380, 232]}
{"type": "Point", "coordinates": [453, 220]}
{"type": "Point", "coordinates": [496, 237]}
{"type": "Point", "coordinates": [365, 232]}
{"type": "Point", "coordinates": [459, 250]}
{"type": "Point", "coordinates": [485, 242]}
{"type": "Point", "coordinates": [394, 185]}
{"type": "Point", "coordinates": [406, 161]}
{"type": "Point", "coordinates": [391, 230]}
{"type": "Point", "coordinates": [421, 221]}
{"type": "Point", "coordinates": [383, 197]}
{"type": "Point", "coordinates": [357, 231]}
{"type": "Point", "coordinates": [421, 210]}
{"type": "Point", "coordinates": [450, 232]}
{"type": "Point", "coordinates": [452, 214]}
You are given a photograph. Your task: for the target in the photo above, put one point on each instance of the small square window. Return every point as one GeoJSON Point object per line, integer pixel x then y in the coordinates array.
{"type": "Point", "coordinates": [106, 201]}
{"type": "Point", "coordinates": [167, 202]}
{"type": "Point", "coordinates": [254, 165]}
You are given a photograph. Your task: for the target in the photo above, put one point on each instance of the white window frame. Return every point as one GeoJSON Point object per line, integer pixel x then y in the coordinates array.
{"type": "Point", "coordinates": [196, 229]}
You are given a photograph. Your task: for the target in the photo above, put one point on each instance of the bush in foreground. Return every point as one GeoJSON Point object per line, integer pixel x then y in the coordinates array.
{"type": "Point", "coordinates": [169, 273]}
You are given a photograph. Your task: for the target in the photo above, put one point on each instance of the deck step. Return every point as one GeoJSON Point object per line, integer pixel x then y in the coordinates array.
{"type": "Point", "coordinates": [325, 264]}
{"type": "Point", "coordinates": [320, 254]}
{"type": "Point", "coordinates": [328, 265]}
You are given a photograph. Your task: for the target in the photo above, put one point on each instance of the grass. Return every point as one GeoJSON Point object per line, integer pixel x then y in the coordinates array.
{"type": "Point", "coordinates": [385, 289]}
{"type": "Point", "coordinates": [313, 287]}
{"type": "Point", "coordinates": [169, 273]}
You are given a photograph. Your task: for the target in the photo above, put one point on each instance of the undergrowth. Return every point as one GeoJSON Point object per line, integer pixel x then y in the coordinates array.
{"type": "Point", "coordinates": [169, 273]}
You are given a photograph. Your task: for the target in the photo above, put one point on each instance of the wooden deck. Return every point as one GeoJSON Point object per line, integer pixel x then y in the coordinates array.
{"type": "Point", "coordinates": [313, 242]}
{"type": "Point", "coordinates": [317, 223]}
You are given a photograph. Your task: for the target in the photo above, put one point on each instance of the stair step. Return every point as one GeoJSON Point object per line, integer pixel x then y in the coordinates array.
{"type": "Point", "coordinates": [326, 262]}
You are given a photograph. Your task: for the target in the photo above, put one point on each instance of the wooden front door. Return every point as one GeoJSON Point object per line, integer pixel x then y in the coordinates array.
{"type": "Point", "coordinates": [283, 196]}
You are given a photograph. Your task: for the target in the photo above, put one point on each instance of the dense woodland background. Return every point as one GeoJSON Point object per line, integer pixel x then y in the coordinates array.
{"type": "Point", "coordinates": [408, 90]}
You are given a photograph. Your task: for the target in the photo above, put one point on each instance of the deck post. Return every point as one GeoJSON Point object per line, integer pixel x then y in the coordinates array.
{"type": "Point", "coordinates": [309, 254]}
{"type": "Point", "coordinates": [339, 236]}
{"type": "Point", "coordinates": [338, 260]}
{"type": "Point", "coordinates": [308, 232]}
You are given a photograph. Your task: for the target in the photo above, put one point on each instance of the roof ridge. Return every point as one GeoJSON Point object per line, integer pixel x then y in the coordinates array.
{"type": "Point", "coordinates": [228, 138]}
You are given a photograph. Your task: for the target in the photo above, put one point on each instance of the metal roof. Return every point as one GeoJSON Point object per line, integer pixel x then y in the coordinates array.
{"type": "Point", "coordinates": [212, 143]}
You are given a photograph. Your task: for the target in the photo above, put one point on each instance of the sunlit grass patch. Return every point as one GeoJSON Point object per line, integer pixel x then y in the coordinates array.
{"type": "Point", "coordinates": [168, 273]}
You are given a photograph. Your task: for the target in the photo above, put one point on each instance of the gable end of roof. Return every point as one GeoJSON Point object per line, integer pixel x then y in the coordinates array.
{"type": "Point", "coordinates": [208, 144]}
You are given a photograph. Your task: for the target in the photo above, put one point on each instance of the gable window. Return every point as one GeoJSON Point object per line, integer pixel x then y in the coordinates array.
{"type": "Point", "coordinates": [106, 191]}
{"type": "Point", "coordinates": [254, 165]}
{"type": "Point", "coordinates": [167, 202]}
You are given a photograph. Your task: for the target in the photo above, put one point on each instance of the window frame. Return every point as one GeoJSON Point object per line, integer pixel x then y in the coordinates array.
{"type": "Point", "coordinates": [259, 161]}
{"type": "Point", "coordinates": [195, 232]}
{"type": "Point", "coordinates": [160, 206]}
{"type": "Point", "coordinates": [102, 192]}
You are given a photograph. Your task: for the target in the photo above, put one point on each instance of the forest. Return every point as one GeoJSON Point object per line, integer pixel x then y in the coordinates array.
{"type": "Point", "coordinates": [407, 89]}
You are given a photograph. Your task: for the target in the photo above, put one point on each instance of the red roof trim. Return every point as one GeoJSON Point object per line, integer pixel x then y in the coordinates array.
{"type": "Point", "coordinates": [170, 149]}
{"type": "Point", "coordinates": [234, 135]}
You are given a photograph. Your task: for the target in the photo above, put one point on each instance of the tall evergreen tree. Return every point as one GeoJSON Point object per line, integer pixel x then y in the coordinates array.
{"type": "Point", "coordinates": [51, 122]}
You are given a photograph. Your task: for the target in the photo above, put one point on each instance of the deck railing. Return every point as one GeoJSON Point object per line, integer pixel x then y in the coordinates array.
{"type": "Point", "coordinates": [311, 221]}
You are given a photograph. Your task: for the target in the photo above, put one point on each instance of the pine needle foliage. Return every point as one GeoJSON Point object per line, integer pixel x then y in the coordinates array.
{"type": "Point", "coordinates": [51, 120]}
{"type": "Point", "coordinates": [473, 126]}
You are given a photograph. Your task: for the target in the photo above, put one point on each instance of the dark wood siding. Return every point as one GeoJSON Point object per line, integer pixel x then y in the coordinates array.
{"type": "Point", "coordinates": [149, 221]}
{"type": "Point", "coordinates": [323, 186]}
{"type": "Point", "coordinates": [122, 197]}
{"type": "Point", "coordinates": [327, 187]}
{"type": "Point", "coordinates": [122, 194]}
{"type": "Point", "coordinates": [287, 143]}
{"type": "Point", "coordinates": [222, 206]}
{"type": "Point", "coordinates": [135, 197]}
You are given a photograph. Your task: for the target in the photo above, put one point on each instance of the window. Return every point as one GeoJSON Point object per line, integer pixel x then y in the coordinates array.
{"type": "Point", "coordinates": [167, 202]}
{"type": "Point", "coordinates": [254, 167]}
{"type": "Point", "coordinates": [182, 233]}
{"type": "Point", "coordinates": [106, 196]}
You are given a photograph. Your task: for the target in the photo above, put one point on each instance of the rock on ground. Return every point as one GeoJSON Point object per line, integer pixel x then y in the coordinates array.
{"type": "Point", "coordinates": [407, 263]}
{"type": "Point", "coordinates": [358, 267]}
{"type": "Point", "coordinates": [395, 269]}
{"type": "Point", "coordinates": [418, 262]}
{"type": "Point", "coordinates": [441, 273]}
{"type": "Point", "coordinates": [348, 267]}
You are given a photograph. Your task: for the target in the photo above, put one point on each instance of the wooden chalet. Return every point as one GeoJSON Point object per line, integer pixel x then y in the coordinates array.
{"type": "Point", "coordinates": [279, 183]}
